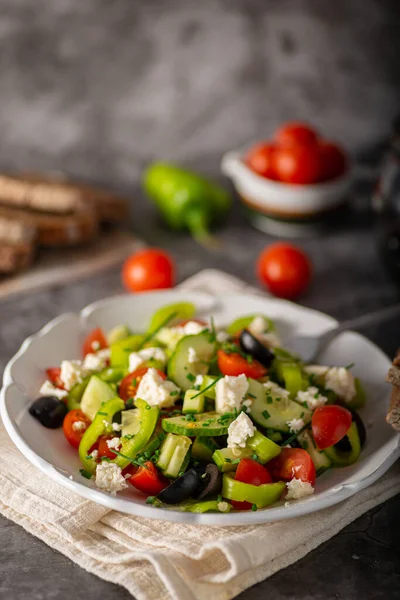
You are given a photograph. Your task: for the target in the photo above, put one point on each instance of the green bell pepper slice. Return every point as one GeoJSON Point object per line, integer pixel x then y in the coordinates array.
{"type": "Point", "coordinates": [180, 311]}
{"type": "Point", "coordinates": [265, 448]}
{"type": "Point", "coordinates": [291, 375]}
{"type": "Point", "coordinates": [148, 416]}
{"type": "Point", "coordinates": [243, 322]}
{"type": "Point", "coordinates": [97, 428]}
{"type": "Point", "coordinates": [260, 495]}
{"type": "Point", "coordinates": [112, 374]}
{"type": "Point", "coordinates": [121, 350]}
{"type": "Point", "coordinates": [75, 395]}
{"type": "Point", "coordinates": [344, 458]}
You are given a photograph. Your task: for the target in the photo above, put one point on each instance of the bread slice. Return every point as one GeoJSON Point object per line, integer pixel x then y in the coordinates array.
{"type": "Point", "coordinates": [17, 245]}
{"type": "Point", "coordinates": [393, 415]}
{"type": "Point", "coordinates": [57, 195]}
{"type": "Point", "coordinates": [72, 229]}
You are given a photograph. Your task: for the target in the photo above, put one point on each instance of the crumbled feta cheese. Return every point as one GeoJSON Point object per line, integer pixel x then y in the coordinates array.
{"type": "Point", "coordinates": [298, 489]}
{"type": "Point", "coordinates": [116, 426]}
{"type": "Point", "coordinates": [97, 361]}
{"type": "Point", "coordinates": [72, 372]}
{"type": "Point", "coordinates": [239, 430]}
{"type": "Point", "coordinates": [106, 424]}
{"type": "Point", "coordinates": [223, 506]}
{"type": "Point", "coordinates": [95, 345]}
{"type": "Point", "coordinates": [191, 328]}
{"type": "Point", "coordinates": [192, 356]}
{"type": "Point", "coordinates": [259, 327]}
{"type": "Point", "coordinates": [312, 397]}
{"type": "Point", "coordinates": [136, 359]}
{"type": "Point", "coordinates": [71, 478]}
{"type": "Point", "coordinates": [229, 393]}
{"type": "Point", "coordinates": [318, 371]}
{"type": "Point", "coordinates": [222, 336]}
{"type": "Point", "coordinates": [342, 382]}
{"type": "Point", "coordinates": [109, 477]}
{"type": "Point", "coordinates": [295, 425]}
{"type": "Point", "coordinates": [199, 379]}
{"type": "Point", "coordinates": [48, 389]}
{"type": "Point", "coordinates": [114, 443]}
{"type": "Point", "coordinates": [287, 504]}
{"type": "Point", "coordinates": [157, 391]}
{"type": "Point", "coordinates": [275, 390]}
{"type": "Point", "coordinates": [95, 454]}
{"type": "Point", "coordinates": [247, 404]}
{"type": "Point", "coordinates": [79, 426]}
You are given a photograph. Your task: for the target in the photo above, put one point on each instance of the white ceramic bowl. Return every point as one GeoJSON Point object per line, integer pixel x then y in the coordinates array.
{"type": "Point", "coordinates": [293, 202]}
{"type": "Point", "coordinates": [62, 339]}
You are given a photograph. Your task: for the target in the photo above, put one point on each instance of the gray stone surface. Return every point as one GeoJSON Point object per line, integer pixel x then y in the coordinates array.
{"type": "Point", "coordinates": [99, 88]}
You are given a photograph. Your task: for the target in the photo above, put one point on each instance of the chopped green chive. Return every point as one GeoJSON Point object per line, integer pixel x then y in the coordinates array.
{"type": "Point", "coordinates": [190, 377]}
{"type": "Point", "coordinates": [254, 507]}
{"type": "Point", "coordinates": [151, 335]}
{"type": "Point", "coordinates": [269, 400]}
{"type": "Point", "coordinates": [316, 395]}
{"type": "Point", "coordinates": [174, 393]}
{"type": "Point", "coordinates": [86, 474]}
{"type": "Point", "coordinates": [265, 414]}
{"type": "Point", "coordinates": [206, 388]}
{"type": "Point", "coordinates": [102, 413]}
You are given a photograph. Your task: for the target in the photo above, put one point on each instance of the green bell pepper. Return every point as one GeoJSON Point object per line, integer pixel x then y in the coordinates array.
{"type": "Point", "coordinates": [112, 374]}
{"type": "Point", "coordinates": [97, 428]}
{"type": "Point", "coordinates": [291, 375]}
{"type": "Point", "coordinates": [148, 416]}
{"type": "Point", "coordinates": [75, 395]}
{"type": "Point", "coordinates": [243, 322]}
{"type": "Point", "coordinates": [260, 495]}
{"type": "Point", "coordinates": [186, 200]}
{"type": "Point", "coordinates": [121, 350]}
{"type": "Point", "coordinates": [170, 314]}
{"type": "Point", "coordinates": [265, 448]}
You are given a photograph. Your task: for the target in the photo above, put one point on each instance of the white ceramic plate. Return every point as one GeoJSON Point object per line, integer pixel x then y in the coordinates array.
{"type": "Point", "coordinates": [62, 339]}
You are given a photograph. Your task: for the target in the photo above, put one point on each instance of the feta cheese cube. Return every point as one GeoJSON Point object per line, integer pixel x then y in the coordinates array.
{"type": "Point", "coordinates": [114, 443]}
{"type": "Point", "coordinates": [136, 359]}
{"type": "Point", "coordinates": [72, 372]}
{"type": "Point", "coordinates": [157, 391]}
{"type": "Point", "coordinates": [192, 356]}
{"type": "Point", "coordinates": [275, 390]}
{"type": "Point", "coordinates": [199, 379]}
{"type": "Point", "coordinates": [240, 430]}
{"type": "Point", "coordinates": [109, 477]}
{"type": "Point", "coordinates": [259, 327]}
{"type": "Point", "coordinates": [319, 371]}
{"type": "Point", "coordinates": [295, 425]}
{"type": "Point", "coordinates": [229, 393]}
{"type": "Point", "coordinates": [95, 454]}
{"type": "Point", "coordinates": [96, 361]}
{"type": "Point", "coordinates": [191, 328]}
{"type": "Point", "coordinates": [222, 336]}
{"type": "Point", "coordinates": [79, 426]}
{"type": "Point", "coordinates": [312, 397]}
{"type": "Point", "coordinates": [342, 382]}
{"type": "Point", "coordinates": [48, 389]}
{"type": "Point", "coordinates": [116, 426]}
{"type": "Point", "coordinates": [298, 489]}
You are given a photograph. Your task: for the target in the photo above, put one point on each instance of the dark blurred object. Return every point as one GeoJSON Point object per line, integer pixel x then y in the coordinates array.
{"type": "Point", "coordinates": [386, 203]}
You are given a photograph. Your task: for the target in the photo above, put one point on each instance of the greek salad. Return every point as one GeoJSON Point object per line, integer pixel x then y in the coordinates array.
{"type": "Point", "coordinates": [200, 418]}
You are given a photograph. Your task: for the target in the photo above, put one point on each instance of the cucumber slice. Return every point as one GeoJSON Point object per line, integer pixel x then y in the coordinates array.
{"type": "Point", "coordinates": [209, 424]}
{"type": "Point", "coordinates": [180, 370]}
{"type": "Point", "coordinates": [343, 458]}
{"type": "Point", "coordinates": [264, 448]}
{"type": "Point", "coordinates": [203, 448]}
{"type": "Point", "coordinates": [96, 393]}
{"type": "Point", "coordinates": [227, 459]}
{"type": "Point", "coordinates": [277, 412]}
{"type": "Point", "coordinates": [193, 405]}
{"type": "Point", "coordinates": [291, 376]}
{"type": "Point", "coordinates": [118, 333]}
{"type": "Point", "coordinates": [180, 458]}
{"type": "Point", "coordinates": [130, 421]}
{"type": "Point", "coordinates": [121, 350]}
{"type": "Point", "coordinates": [182, 310]}
{"type": "Point", "coordinates": [243, 322]}
{"type": "Point", "coordinates": [167, 450]}
{"type": "Point", "coordinates": [319, 458]}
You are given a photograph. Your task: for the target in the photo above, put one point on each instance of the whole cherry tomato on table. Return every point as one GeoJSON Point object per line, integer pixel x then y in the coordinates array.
{"type": "Point", "coordinates": [95, 341]}
{"type": "Point", "coordinates": [295, 133]}
{"type": "Point", "coordinates": [74, 426]}
{"type": "Point", "coordinates": [330, 424]}
{"type": "Point", "coordinates": [292, 463]}
{"type": "Point", "coordinates": [151, 269]}
{"type": "Point", "coordinates": [284, 269]}
{"type": "Point", "coordinates": [233, 363]}
{"type": "Point", "coordinates": [333, 160]}
{"type": "Point", "coordinates": [259, 159]}
{"type": "Point", "coordinates": [250, 471]}
{"type": "Point", "coordinates": [129, 385]}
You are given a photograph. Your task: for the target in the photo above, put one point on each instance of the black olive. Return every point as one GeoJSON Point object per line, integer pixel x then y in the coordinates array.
{"type": "Point", "coordinates": [211, 483]}
{"type": "Point", "coordinates": [250, 345]}
{"type": "Point", "coordinates": [344, 445]}
{"type": "Point", "coordinates": [362, 433]}
{"type": "Point", "coordinates": [181, 489]}
{"type": "Point", "coordinates": [49, 410]}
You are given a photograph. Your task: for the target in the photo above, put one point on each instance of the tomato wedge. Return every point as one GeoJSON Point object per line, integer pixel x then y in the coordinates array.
{"type": "Point", "coordinates": [292, 463]}
{"type": "Point", "coordinates": [102, 447]}
{"type": "Point", "coordinates": [233, 363]}
{"type": "Point", "coordinates": [54, 375]}
{"type": "Point", "coordinates": [74, 426]}
{"type": "Point", "coordinates": [95, 341]}
{"type": "Point", "coordinates": [148, 480]}
{"type": "Point", "coordinates": [130, 383]}
{"type": "Point", "coordinates": [250, 471]}
{"type": "Point", "coordinates": [330, 424]}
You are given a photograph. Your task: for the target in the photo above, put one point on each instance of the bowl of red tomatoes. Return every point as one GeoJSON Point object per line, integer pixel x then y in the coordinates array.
{"type": "Point", "coordinates": [298, 175]}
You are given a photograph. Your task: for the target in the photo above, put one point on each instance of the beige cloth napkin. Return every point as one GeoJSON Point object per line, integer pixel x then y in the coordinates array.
{"type": "Point", "coordinates": [154, 559]}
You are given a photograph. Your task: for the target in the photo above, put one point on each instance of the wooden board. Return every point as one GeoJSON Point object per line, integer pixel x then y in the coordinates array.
{"type": "Point", "coordinates": [54, 265]}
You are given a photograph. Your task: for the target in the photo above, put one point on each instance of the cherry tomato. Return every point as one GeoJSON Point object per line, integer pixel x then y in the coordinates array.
{"type": "Point", "coordinates": [151, 269]}
{"type": "Point", "coordinates": [292, 463]}
{"type": "Point", "coordinates": [235, 364]}
{"type": "Point", "coordinates": [148, 480]}
{"type": "Point", "coordinates": [102, 446]}
{"type": "Point", "coordinates": [284, 269]}
{"type": "Point", "coordinates": [295, 133]}
{"type": "Point", "coordinates": [259, 159]}
{"type": "Point", "coordinates": [300, 164]}
{"type": "Point", "coordinates": [333, 160]}
{"type": "Point", "coordinates": [130, 383]}
{"type": "Point", "coordinates": [72, 431]}
{"type": "Point", "coordinates": [54, 375]}
{"type": "Point", "coordinates": [330, 424]}
{"type": "Point", "coordinates": [95, 341]}
{"type": "Point", "coordinates": [250, 471]}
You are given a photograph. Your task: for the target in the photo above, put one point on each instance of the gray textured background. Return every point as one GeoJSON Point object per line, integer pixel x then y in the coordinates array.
{"type": "Point", "coordinates": [97, 88]}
